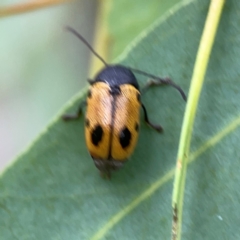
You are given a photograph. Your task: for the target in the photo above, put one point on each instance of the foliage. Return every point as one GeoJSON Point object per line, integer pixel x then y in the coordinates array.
{"type": "Point", "coordinates": [53, 190]}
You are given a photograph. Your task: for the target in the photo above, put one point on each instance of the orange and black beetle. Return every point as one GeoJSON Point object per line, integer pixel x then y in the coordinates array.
{"type": "Point", "coordinates": [113, 113]}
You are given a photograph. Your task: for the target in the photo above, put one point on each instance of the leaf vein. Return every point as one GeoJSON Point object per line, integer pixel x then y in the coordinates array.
{"type": "Point", "coordinates": [159, 182]}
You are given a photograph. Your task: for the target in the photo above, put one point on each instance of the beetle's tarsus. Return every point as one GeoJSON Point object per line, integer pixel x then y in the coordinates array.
{"type": "Point", "coordinates": [70, 117]}
{"type": "Point", "coordinates": [158, 128]}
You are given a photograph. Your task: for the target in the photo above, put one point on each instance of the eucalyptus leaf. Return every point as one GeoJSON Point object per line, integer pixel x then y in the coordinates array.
{"type": "Point", "coordinates": [128, 18]}
{"type": "Point", "coordinates": [54, 191]}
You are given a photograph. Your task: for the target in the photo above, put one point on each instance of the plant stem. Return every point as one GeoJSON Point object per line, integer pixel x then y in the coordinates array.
{"type": "Point", "coordinates": [28, 7]}
{"type": "Point", "coordinates": [199, 71]}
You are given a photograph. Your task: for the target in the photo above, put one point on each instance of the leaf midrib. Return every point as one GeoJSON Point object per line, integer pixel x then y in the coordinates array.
{"type": "Point", "coordinates": [210, 143]}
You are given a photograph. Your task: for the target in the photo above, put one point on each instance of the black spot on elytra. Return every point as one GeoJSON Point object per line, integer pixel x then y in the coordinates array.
{"type": "Point", "coordinates": [87, 123]}
{"type": "Point", "coordinates": [136, 127]}
{"type": "Point", "coordinates": [125, 137]}
{"type": "Point", "coordinates": [96, 135]}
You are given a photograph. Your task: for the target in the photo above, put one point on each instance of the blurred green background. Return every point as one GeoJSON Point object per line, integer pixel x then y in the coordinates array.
{"type": "Point", "coordinates": [42, 66]}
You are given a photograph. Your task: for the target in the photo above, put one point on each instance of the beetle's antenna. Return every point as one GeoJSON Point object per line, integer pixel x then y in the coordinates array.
{"type": "Point", "coordinates": [160, 80]}
{"type": "Point", "coordinates": [167, 81]}
{"type": "Point", "coordinates": [79, 36]}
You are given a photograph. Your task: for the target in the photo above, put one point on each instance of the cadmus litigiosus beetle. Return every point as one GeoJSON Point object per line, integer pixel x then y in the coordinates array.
{"type": "Point", "coordinates": [113, 113]}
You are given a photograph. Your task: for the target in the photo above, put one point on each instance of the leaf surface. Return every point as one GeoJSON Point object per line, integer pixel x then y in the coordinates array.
{"type": "Point", "coordinates": [53, 190]}
{"type": "Point", "coordinates": [128, 18]}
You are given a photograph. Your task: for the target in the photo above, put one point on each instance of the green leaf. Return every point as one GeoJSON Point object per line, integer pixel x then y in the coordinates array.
{"type": "Point", "coordinates": [53, 190]}
{"type": "Point", "coordinates": [128, 18]}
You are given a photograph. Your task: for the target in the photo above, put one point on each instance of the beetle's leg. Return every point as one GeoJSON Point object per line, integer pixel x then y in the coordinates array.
{"type": "Point", "coordinates": [163, 81]}
{"type": "Point", "coordinates": [68, 117]}
{"type": "Point", "coordinates": [156, 127]}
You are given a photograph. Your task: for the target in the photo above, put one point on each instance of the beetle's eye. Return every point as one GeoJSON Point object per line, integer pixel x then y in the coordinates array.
{"type": "Point", "coordinates": [97, 134]}
{"type": "Point", "coordinates": [125, 137]}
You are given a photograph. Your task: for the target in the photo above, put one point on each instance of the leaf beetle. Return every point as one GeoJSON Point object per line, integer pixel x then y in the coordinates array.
{"type": "Point", "coordinates": [112, 117]}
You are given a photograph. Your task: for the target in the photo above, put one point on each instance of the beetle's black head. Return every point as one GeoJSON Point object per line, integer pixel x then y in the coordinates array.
{"type": "Point", "coordinates": [116, 75]}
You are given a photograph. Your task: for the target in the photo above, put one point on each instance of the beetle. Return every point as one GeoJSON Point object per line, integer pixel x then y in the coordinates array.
{"type": "Point", "coordinates": [113, 113]}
